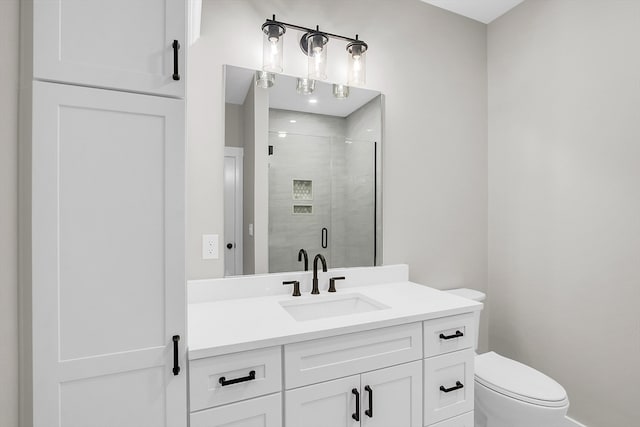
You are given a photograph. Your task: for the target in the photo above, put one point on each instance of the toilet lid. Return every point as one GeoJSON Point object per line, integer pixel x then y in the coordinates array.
{"type": "Point", "coordinates": [518, 381]}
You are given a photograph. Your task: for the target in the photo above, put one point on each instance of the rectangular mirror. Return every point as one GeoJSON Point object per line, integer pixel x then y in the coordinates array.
{"type": "Point", "coordinates": [302, 172]}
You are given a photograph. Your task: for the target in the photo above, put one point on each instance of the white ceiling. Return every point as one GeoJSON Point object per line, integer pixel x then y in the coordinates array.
{"type": "Point", "coordinates": [481, 10]}
{"type": "Point", "coordinates": [283, 95]}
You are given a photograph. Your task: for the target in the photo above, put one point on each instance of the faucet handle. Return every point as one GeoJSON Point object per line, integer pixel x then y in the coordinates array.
{"type": "Point", "coordinates": [296, 287]}
{"type": "Point", "coordinates": [332, 283]}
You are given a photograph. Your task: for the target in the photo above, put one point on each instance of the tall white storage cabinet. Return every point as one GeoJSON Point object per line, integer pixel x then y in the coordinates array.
{"type": "Point", "coordinates": [102, 210]}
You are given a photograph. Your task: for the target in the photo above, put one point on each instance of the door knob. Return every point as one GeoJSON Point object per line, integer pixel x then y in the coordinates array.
{"type": "Point", "coordinates": [229, 245]}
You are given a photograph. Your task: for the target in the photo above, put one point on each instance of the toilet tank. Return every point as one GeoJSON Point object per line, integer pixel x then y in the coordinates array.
{"type": "Point", "coordinates": [473, 295]}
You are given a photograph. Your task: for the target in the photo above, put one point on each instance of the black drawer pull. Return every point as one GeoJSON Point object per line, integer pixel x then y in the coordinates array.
{"type": "Point", "coordinates": [176, 365]}
{"type": "Point", "coordinates": [369, 412]}
{"type": "Point", "coordinates": [223, 381]}
{"type": "Point", "coordinates": [458, 386]}
{"type": "Point", "coordinates": [176, 46]}
{"type": "Point", "coordinates": [356, 415]}
{"type": "Point", "coordinates": [458, 334]}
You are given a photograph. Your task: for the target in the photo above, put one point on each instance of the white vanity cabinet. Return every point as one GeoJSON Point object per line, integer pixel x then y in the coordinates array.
{"type": "Point", "coordinates": [409, 364]}
{"type": "Point", "coordinates": [115, 44]}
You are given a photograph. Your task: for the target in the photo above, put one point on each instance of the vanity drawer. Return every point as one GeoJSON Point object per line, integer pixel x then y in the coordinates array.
{"type": "Point", "coordinates": [206, 389]}
{"type": "Point", "coordinates": [449, 334]}
{"type": "Point", "coordinates": [465, 420]}
{"type": "Point", "coordinates": [263, 411]}
{"type": "Point", "coordinates": [323, 359]}
{"type": "Point", "coordinates": [454, 373]}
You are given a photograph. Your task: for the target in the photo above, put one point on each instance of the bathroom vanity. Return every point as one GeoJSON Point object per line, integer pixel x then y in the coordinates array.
{"type": "Point", "coordinates": [381, 351]}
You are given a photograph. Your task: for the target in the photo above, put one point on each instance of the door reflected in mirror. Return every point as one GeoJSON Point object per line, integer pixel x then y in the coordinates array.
{"type": "Point", "coordinates": [302, 171]}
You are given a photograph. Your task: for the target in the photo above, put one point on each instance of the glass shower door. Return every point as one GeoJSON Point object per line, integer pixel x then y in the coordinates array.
{"type": "Point", "coordinates": [300, 199]}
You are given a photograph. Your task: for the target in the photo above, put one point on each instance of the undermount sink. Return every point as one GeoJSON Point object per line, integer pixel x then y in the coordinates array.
{"type": "Point", "coordinates": [320, 307]}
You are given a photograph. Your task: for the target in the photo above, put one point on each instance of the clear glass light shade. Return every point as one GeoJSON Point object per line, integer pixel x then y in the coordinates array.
{"type": "Point", "coordinates": [356, 58]}
{"type": "Point", "coordinates": [265, 79]}
{"type": "Point", "coordinates": [341, 91]}
{"type": "Point", "coordinates": [305, 86]}
{"type": "Point", "coordinates": [272, 48]}
{"type": "Point", "coordinates": [317, 51]}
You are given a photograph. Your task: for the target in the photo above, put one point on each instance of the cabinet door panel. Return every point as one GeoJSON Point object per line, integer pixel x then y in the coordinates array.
{"type": "Point", "coordinates": [259, 412]}
{"type": "Point", "coordinates": [326, 404]}
{"type": "Point", "coordinates": [453, 372]}
{"type": "Point", "coordinates": [395, 396]}
{"type": "Point", "coordinates": [116, 44]}
{"type": "Point", "coordinates": [108, 258]}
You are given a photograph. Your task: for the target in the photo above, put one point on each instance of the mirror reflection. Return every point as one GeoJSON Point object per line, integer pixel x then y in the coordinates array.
{"type": "Point", "coordinates": [302, 173]}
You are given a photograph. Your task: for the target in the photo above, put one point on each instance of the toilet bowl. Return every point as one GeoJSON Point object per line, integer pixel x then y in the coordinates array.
{"type": "Point", "coordinates": [512, 394]}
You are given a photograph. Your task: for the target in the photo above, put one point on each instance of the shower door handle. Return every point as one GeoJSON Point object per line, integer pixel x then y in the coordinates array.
{"type": "Point", "coordinates": [325, 238]}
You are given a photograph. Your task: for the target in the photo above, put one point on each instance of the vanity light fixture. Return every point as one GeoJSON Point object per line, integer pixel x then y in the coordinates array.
{"type": "Point", "coordinates": [314, 44]}
{"type": "Point", "coordinates": [305, 86]}
{"type": "Point", "coordinates": [272, 46]}
{"type": "Point", "coordinates": [265, 79]}
{"type": "Point", "coordinates": [340, 91]}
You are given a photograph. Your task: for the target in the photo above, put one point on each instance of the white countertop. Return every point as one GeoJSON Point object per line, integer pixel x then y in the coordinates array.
{"type": "Point", "coordinates": [232, 325]}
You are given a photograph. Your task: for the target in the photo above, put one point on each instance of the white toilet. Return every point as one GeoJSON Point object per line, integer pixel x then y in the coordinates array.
{"type": "Point", "coordinates": [511, 394]}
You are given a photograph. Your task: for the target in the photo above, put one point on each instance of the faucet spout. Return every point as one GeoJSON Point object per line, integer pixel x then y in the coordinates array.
{"type": "Point", "coordinates": [302, 253]}
{"type": "Point", "coordinates": [315, 289]}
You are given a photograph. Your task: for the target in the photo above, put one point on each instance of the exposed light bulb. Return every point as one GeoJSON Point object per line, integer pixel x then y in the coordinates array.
{"type": "Point", "coordinates": [272, 47]}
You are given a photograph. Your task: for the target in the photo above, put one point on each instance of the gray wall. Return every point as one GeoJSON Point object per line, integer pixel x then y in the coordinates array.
{"type": "Point", "coordinates": [8, 213]}
{"type": "Point", "coordinates": [435, 129]}
{"type": "Point", "coordinates": [564, 199]}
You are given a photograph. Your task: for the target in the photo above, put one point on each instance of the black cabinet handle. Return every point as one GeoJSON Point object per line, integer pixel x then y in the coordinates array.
{"type": "Point", "coordinates": [176, 47]}
{"type": "Point", "coordinates": [356, 415]}
{"type": "Point", "coordinates": [325, 238]}
{"type": "Point", "coordinates": [369, 412]}
{"type": "Point", "coordinates": [458, 334]}
{"type": "Point", "coordinates": [223, 381]}
{"type": "Point", "coordinates": [176, 366]}
{"type": "Point", "coordinates": [458, 386]}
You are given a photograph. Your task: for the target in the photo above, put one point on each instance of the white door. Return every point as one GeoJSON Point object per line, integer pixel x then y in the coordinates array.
{"type": "Point", "coordinates": [233, 217]}
{"type": "Point", "coordinates": [329, 404]}
{"type": "Point", "coordinates": [108, 258]}
{"type": "Point", "coordinates": [116, 44]}
{"type": "Point", "coordinates": [393, 396]}
{"type": "Point", "coordinates": [259, 412]}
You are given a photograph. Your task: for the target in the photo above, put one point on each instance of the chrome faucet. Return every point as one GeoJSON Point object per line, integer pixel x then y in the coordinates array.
{"type": "Point", "coordinates": [315, 289]}
{"type": "Point", "coordinates": [302, 253]}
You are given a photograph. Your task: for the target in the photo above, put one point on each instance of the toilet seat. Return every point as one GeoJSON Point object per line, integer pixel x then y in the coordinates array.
{"type": "Point", "coordinates": [518, 381]}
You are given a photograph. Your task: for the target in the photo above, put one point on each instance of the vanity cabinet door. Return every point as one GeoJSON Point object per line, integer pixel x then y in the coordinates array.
{"type": "Point", "coordinates": [108, 259]}
{"type": "Point", "coordinates": [392, 396]}
{"type": "Point", "coordinates": [331, 403]}
{"type": "Point", "coordinates": [114, 44]}
{"type": "Point", "coordinates": [259, 412]}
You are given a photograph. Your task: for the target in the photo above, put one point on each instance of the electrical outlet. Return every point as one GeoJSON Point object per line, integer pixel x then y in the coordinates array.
{"type": "Point", "coordinates": [210, 247]}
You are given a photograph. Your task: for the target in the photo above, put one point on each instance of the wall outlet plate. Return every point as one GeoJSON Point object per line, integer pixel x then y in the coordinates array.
{"type": "Point", "coordinates": [210, 246]}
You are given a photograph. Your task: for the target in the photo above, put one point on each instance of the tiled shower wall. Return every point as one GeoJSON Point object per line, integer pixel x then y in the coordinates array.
{"type": "Point", "coordinates": [322, 149]}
